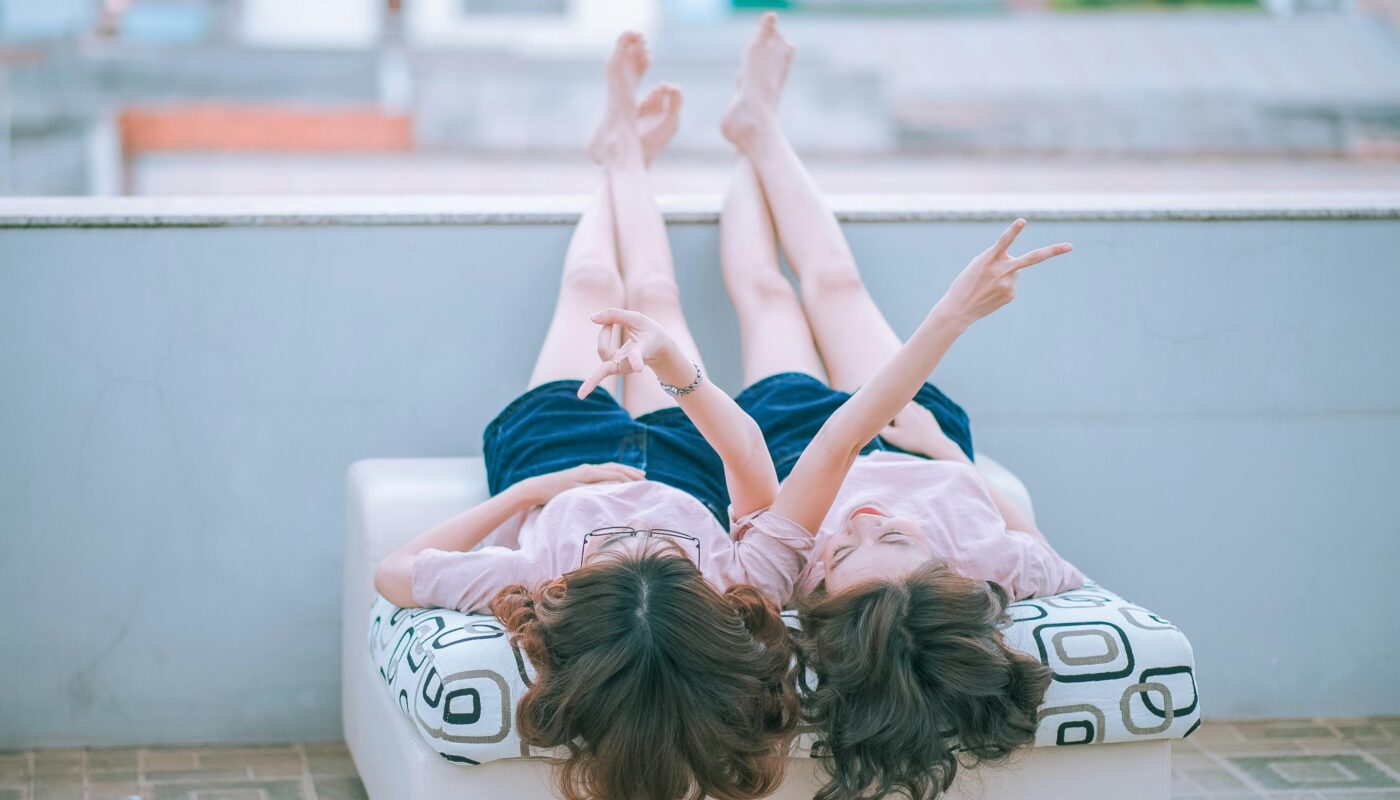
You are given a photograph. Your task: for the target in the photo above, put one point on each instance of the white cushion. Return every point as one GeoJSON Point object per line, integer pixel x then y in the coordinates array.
{"type": "Point", "coordinates": [1121, 673]}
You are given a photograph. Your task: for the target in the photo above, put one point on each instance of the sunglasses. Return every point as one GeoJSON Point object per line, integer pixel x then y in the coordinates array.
{"type": "Point", "coordinates": [685, 540]}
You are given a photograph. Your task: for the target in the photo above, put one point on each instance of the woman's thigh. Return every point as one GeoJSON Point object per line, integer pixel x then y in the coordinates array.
{"type": "Point", "coordinates": [790, 408]}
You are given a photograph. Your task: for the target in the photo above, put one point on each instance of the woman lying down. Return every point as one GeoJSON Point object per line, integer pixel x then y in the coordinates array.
{"type": "Point", "coordinates": [640, 550]}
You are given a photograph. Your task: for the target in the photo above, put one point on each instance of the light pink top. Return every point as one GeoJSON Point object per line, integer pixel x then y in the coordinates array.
{"type": "Point", "coordinates": [952, 504]}
{"type": "Point", "coordinates": [763, 549]}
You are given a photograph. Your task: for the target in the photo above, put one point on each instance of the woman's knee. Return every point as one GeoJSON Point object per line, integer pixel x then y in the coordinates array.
{"type": "Point", "coordinates": [836, 278]}
{"type": "Point", "coordinates": [767, 289]}
{"type": "Point", "coordinates": [596, 283]}
{"type": "Point", "coordinates": [655, 297]}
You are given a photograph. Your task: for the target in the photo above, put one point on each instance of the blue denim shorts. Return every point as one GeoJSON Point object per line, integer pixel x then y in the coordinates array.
{"type": "Point", "coordinates": [791, 407]}
{"type": "Point", "coordinates": [549, 429]}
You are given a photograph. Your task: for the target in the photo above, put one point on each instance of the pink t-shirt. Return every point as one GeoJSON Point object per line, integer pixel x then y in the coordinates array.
{"type": "Point", "coordinates": [763, 549]}
{"type": "Point", "coordinates": [957, 513]}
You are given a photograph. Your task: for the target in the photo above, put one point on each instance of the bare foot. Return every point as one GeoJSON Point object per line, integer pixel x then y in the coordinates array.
{"type": "Point", "coordinates": [755, 104]}
{"type": "Point", "coordinates": [658, 117]}
{"type": "Point", "coordinates": [623, 73]}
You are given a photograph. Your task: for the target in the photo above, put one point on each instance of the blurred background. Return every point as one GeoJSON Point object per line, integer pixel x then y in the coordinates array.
{"type": "Point", "coordinates": [1203, 399]}
{"type": "Point", "coordinates": [182, 97]}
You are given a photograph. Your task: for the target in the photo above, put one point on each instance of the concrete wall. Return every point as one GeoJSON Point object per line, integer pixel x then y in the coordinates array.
{"type": "Point", "coordinates": [1204, 401]}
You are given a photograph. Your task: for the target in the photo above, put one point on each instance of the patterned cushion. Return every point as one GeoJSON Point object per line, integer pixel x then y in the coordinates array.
{"type": "Point", "coordinates": [1122, 674]}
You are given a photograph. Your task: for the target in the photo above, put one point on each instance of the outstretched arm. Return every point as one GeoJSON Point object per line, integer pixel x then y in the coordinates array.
{"type": "Point", "coordinates": [393, 579]}
{"type": "Point", "coordinates": [812, 487]}
{"type": "Point", "coordinates": [986, 284]}
{"type": "Point", "coordinates": [748, 468]}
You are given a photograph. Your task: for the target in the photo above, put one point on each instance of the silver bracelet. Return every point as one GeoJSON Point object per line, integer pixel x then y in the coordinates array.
{"type": "Point", "coordinates": [682, 392]}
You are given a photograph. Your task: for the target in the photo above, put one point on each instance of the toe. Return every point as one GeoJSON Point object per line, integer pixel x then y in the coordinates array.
{"type": "Point", "coordinates": [655, 100]}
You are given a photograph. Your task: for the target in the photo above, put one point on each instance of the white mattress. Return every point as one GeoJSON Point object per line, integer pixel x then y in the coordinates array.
{"type": "Point", "coordinates": [1122, 674]}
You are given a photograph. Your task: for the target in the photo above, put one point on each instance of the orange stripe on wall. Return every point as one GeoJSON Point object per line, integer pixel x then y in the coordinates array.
{"type": "Point", "coordinates": [244, 128]}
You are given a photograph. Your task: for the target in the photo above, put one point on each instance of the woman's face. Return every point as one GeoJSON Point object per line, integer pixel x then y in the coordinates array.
{"type": "Point", "coordinates": [874, 546]}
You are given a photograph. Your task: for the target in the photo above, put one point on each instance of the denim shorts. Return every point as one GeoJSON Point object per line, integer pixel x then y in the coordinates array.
{"type": "Point", "coordinates": [549, 429]}
{"type": "Point", "coordinates": [791, 407]}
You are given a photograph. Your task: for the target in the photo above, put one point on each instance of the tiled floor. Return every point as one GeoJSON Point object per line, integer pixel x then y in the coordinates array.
{"type": "Point", "coordinates": [1310, 759]}
{"type": "Point", "coordinates": [310, 771]}
{"type": "Point", "coordinates": [1303, 759]}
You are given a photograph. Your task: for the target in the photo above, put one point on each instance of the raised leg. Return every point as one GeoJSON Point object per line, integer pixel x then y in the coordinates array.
{"type": "Point", "coordinates": [591, 281]}
{"type": "Point", "coordinates": [852, 334]}
{"type": "Point", "coordinates": [772, 329]}
{"type": "Point", "coordinates": [643, 250]}
{"type": "Point", "coordinates": [591, 278]}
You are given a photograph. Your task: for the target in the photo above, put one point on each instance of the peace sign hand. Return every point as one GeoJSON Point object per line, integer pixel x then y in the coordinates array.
{"type": "Point", "coordinates": [644, 343]}
{"type": "Point", "coordinates": [989, 280]}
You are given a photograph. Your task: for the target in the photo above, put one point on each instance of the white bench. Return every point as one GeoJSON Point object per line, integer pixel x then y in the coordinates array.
{"type": "Point", "coordinates": [391, 500]}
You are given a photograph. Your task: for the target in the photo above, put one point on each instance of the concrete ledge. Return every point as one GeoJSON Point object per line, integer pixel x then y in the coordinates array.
{"type": "Point", "coordinates": [203, 212]}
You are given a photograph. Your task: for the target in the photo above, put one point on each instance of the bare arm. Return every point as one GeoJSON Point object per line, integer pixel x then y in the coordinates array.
{"type": "Point", "coordinates": [811, 488]}
{"type": "Point", "coordinates": [986, 284]}
{"type": "Point", "coordinates": [1016, 519]}
{"type": "Point", "coordinates": [393, 579]}
{"type": "Point", "coordinates": [748, 468]}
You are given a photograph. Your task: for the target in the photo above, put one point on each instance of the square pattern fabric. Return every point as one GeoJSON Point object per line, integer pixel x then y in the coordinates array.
{"type": "Point", "coordinates": [1122, 674]}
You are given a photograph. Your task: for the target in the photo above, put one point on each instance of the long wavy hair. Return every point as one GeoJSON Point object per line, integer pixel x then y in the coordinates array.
{"type": "Point", "coordinates": [914, 680]}
{"type": "Point", "coordinates": [660, 686]}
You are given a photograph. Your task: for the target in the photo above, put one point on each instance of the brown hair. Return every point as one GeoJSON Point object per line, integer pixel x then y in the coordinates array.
{"type": "Point", "coordinates": [914, 679]}
{"type": "Point", "coordinates": [659, 686]}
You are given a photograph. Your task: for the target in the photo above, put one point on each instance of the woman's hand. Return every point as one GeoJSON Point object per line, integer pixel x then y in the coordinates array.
{"type": "Point", "coordinates": [989, 280]}
{"type": "Point", "coordinates": [644, 342]}
{"type": "Point", "coordinates": [543, 488]}
{"type": "Point", "coordinates": [915, 429]}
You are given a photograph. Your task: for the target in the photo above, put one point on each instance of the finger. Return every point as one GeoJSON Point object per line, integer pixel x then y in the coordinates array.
{"type": "Point", "coordinates": [635, 472]}
{"type": "Point", "coordinates": [604, 370]}
{"type": "Point", "coordinates": [1008, 236]}
{"type": "Point", "coordinates": [621, 472]}
{"type": "Point", "coordinates": [606, 348]}
{"type": "Point", "coordinates": [1041, 254]}
{"type": "Point", "coordinates": [595, 481]}
{"type": "Point", "coordinates": [607, 473]}
{"type": "Point", "coordinates": [627, 358]}
{"type": "Point", "coordinates": [621, 316]}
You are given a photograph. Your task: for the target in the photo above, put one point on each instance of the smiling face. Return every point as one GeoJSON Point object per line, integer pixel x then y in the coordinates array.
{"type": "Point", "coordinates": [874, 546]}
